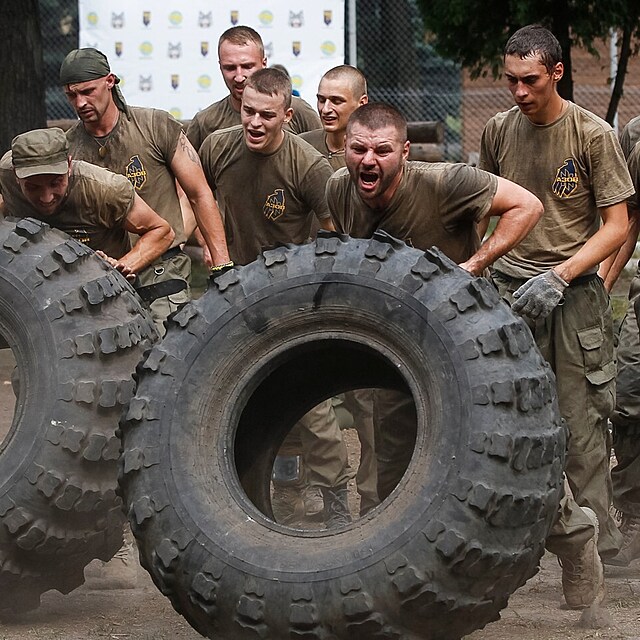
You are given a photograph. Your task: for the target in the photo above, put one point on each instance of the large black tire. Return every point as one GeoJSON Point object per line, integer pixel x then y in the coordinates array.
{"type": "Point", "coordinates": [77, 331]}
{"type": "Point", "coordinates": [464, 528]}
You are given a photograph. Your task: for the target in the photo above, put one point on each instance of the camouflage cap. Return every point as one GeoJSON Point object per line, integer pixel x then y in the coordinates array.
{"type": "Point", "coordinates": [41, 151]}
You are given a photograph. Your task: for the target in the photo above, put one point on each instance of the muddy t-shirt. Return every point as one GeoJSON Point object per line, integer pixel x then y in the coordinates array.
{"type": "Point", "coordinates": [140, 147]}
{"type": "Point", "coordinates": [221, 115]}
{"type": "Point", "coordinates": [630, 136]}
{"type": "Point", "coordinates": [97, 204]}
{"type": "Point", "coordinates": [633, 162]}
{"type": "Point", "coordinates": [318, 140]}
{"type": "Point", "coordinates": [436, 204]}
{"type": "Point", "coordinates": [266, 200]}
{"type": "Point", "coordinates": [574, 165]}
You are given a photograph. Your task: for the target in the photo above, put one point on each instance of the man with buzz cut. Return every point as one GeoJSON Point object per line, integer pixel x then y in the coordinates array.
{"type": "Point", "coordinates": [423, 204]}
{"type": "Point", "coordinates": [341, 91]}
{"type": "Point", "coordinates": [270, 185]}
{"type": "Point", "coordinates": [240, 54]}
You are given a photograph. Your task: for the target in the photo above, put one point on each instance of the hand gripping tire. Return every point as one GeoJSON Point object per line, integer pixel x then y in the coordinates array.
{"type": "Point", "coordinates": [77, 331]}
{"type": "Point", "coordinates": [464, 528]}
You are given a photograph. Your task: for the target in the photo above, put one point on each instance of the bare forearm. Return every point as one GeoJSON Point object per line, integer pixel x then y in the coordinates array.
{"type": "Point", "coordinates": [509, 231]}
{"type": "Point", "coordinates": [149, 247]}
{"type": "Point", "coordinates": [210, 225]}
{"type": "Point", "coordinates": [612, 267]}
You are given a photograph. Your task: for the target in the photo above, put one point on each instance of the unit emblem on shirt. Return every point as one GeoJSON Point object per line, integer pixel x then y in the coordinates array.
{"type": "Point", "coordinates": [566, 180]}
{"type": "Point", "coordinates": [274, 205]}
{"type": "Point", "coordinates": [136, 172]}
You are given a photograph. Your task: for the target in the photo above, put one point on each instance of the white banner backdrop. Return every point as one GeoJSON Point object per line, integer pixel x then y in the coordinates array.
{"type": "Point", "coordinates": [165, 51]}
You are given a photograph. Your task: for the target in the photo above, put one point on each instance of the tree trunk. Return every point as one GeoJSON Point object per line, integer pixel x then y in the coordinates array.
{"type": "Point", "coordinates": [22, 103]}
{"type": "Point", "coordinates": [621, 72]}
{"type": "Point", "coordinates": [561, 29]}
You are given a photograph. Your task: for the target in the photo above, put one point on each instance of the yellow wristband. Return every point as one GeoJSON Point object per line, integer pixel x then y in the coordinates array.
{"type": "Point", "coordinates": [220, 267]}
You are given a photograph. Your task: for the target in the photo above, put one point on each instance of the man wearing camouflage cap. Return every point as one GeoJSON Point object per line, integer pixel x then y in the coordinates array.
{"type": "Point", "coordinates": [38, 179]}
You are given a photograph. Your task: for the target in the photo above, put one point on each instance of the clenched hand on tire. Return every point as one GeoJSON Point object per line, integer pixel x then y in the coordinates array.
{"type": "Point", "coordinates": [538, 297]}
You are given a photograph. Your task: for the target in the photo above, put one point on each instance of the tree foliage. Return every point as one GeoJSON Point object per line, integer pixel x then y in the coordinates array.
{"type": "Point", "coordinates": [22, 104]}
{"type": "Point", "coordinates": [474, 32]}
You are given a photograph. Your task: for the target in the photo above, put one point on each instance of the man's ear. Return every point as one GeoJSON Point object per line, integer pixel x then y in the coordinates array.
{"type": "Point", "coordinates": [405, 150]}
{"type": "Point", "coordinates": [364, 99]}
{"type": "Point", "coordinates": [558, 72]}
{"type": "Point", "coordinates": [288, 114]}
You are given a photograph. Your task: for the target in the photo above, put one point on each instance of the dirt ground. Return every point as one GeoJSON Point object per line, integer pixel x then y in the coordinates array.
{"type": "Point", "coordinates": [143, 613]}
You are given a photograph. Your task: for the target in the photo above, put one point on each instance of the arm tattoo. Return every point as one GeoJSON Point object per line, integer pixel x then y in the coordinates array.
{"type": "Point", "coordinates": [187, 147]}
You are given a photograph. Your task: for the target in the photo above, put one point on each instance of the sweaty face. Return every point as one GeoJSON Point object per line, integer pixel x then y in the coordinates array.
{"type": "Point", "coordinates": [91, 99]}
{"type": "Point", "coordinates": [262, 118]}
{"type": "Point", "coordinates": [45, 192]}
{"type": "Point", "coordinates": [237, 63]}
{"type": "Point", "coordinates": [375, 159]}
{"type": "Point", "coordinates": [336, 103]}
{"type": "Point", "coordinates": [532, 86]}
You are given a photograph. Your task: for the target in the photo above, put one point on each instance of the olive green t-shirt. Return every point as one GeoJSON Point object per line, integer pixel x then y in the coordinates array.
{"type": "Point", "coordinates": [318, 140]}
{"type": "Point", "coordinates": [266, 200]}
{"type": "Point", "coordinates": [94, 211]}
{"type": "Point", "coordinates": [633, 162]}
{"type": "Point", "coordinates": [221, 115]}
{"type": "Point", "coordinates": [574, 165]}
{"type": "Point", "coordinates": [140, 147]}
{"type": "Point", "coordinates": [436, 204]}
{"type": "Point", "coordinates": [630, 136]}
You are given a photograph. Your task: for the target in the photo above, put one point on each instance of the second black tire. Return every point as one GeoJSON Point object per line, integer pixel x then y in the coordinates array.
{"type": "Point", "coordinates": [464, 528]}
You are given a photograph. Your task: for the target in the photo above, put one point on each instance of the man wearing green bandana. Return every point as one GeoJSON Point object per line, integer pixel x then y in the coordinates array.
{"type": "Point", "coordinates": [149, 147]}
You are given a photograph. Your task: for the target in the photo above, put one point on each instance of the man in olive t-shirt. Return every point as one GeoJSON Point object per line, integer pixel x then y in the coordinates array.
{"type": "Point", "coordinates": [625, 475]}
{"type": "Point", "coordinates": [341, 91]}
{"type": "Point", "coordinates": [149, 147]}
{"type": "Point", "coordinates": [268, 184]}
{"type": "Point", "coordinates": [424, 205]}
{"type": "Point", "coordinates": [91, 204]}
{"type": "Point", "coordinates": [572, 161]}
{"type": "Point", "coordinates": [241, 53]}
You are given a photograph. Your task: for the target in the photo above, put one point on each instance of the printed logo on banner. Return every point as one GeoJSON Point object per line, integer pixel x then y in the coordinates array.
{"type": "Point", "coordinates": [176, 113]}
{"type": "Point", "coordinates": [266, 18]}
{"type": "Point", "coordinates": [118, 48]}
{"type": "Point", "coordinates": [296, 47]}
{"type": "Point", "coordinates": [296, 20]}
{"type": "Point", "coordinates": [136, 172]}
{"type": "Point", "coordinates": [234, 17]}
{"type": "Point", "coordinates": [328, 16]}
{"type": "Point", "coordinates": [146, 18]}
{"type": "Point", "coordinates": [146, 48]}
{"type": "Point", "coordinates": [145, 83]}
{"type": "Point", "coordinates": [328, 48]}
{"type": "Point", "coordinates": [175, 18]}
{"type": "Point", "coordinates": [204, 82]}
{"type": "Point", "coordinates": [204, 20]}
{"type": "Point", "coordinates": [296, 82]}
{"type": "Point", "coordinates": [92, 19]}
{"type": "Point", "coordinates": [175, 80]}
{"type": "Point", "coordinates": [268, 50]}
{"type": "Point", "coordinates": [117, 20]}
{"type": "Point", "coordinates": [175, 50]}
{"type": "Point", "coordinates": [204, 48]}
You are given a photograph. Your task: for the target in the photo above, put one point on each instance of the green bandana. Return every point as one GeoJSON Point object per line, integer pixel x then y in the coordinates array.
{"type": "Point", "coordinates": [84, 65]}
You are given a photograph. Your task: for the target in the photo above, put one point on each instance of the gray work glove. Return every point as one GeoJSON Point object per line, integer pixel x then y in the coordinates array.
{"type": "Point", "coordinates": [538, 297]}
